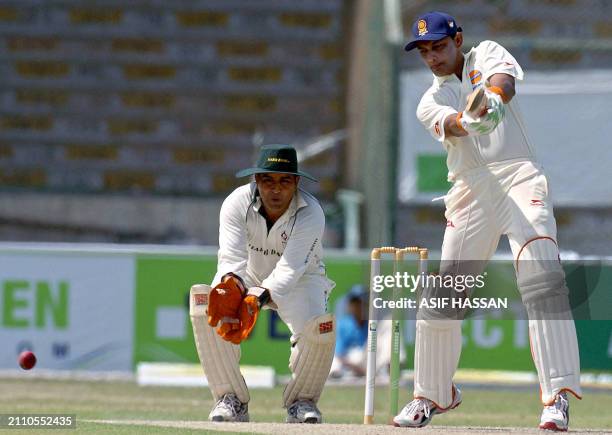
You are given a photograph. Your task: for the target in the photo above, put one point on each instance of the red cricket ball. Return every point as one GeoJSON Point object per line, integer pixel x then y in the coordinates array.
{"type": "Point", "coordinates": [27, 360]}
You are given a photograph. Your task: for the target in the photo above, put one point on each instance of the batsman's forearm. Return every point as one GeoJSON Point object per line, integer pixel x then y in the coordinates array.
{"type": "Point", "coordinates": [504, 85]}
{"type": "Point", "coordinates": [452, 128]}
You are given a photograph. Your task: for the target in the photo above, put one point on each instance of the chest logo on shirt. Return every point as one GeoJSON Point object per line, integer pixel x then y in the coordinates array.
{"type": "Point", "coordinates": [475, 78]}
{"type": "Point", "coordinates": [284, 236]}
{"type": "Point", "coordinates": [263, 251]}
{"type": "Point", "coordinates": [422, 27]}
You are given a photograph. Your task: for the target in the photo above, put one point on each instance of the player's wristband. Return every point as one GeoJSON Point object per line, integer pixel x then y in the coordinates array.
{"type": "Point", "coordinates": [499, 91]}
{"type": "Point", "coordinates": [458, 122]}
{"type": "Point", "coordinates": [262, 294]}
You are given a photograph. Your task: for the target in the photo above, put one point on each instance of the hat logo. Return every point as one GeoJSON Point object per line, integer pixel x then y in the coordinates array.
{"type": "Point", "coordinates": [278, 160]}
{"type": "Point", "coordinates": [422, 27]}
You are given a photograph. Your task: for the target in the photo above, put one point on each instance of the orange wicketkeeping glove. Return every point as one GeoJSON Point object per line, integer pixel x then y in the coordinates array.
{"type": "Point", "coordinates": [249, 310]}
{"type": "Point", "coordinates": [224, 302]}
{"type": "Point", "coordinates": [230, 331]}
{"type": "Point", "coordinates": [247, 315]}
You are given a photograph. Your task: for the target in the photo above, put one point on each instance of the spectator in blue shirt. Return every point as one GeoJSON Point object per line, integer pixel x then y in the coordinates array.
{"type": "Point", "coordinates": [351, 335]}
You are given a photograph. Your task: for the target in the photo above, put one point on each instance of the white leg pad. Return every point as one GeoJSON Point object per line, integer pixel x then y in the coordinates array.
{"type": "Point", "coordinates": [555, 354]}
{"type": "Point", "coordinates": [552, 333]}
{"type": "Point", "coordinates": [310, 360]}
{"type": "Point", "coordinates": [436, 356]}
{"type": "Point", "coordinates": [219, 358]}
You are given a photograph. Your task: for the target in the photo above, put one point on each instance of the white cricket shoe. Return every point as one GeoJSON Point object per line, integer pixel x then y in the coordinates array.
{"type": "Point", "coordinates": [419, 412]}
{"type": "Point", "coordinates": [303, 411]}
{"type": "Point", "coordinates": [229, 408]}
{"type": "Point", "coordinates": [556, 416]}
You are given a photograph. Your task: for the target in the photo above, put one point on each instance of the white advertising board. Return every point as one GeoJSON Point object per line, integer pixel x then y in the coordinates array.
{"type": "Point", "coordinates": [74, 310]}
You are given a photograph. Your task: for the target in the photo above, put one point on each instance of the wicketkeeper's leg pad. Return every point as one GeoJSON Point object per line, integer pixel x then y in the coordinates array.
{"type": "Point", "coordinates": [436, 356]}
{"type": "Point", "coordinates": [312, 353]}
{"type": "Point", "coordinates": [219, 358]}
{"type": "Point", "coordinates": [552, 332]}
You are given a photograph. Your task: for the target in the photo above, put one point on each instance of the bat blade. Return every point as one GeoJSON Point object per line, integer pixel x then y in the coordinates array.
{"type": "Point", "coordinates": [476, 103]}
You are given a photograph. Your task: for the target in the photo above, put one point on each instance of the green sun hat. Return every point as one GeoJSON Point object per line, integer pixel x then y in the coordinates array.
{"type": "Point", "coordinates": [279, 159]}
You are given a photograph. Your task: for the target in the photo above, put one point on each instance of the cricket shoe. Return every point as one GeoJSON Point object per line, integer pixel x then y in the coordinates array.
{"type": "Point", "coordinates": [419, 412]}
{"type": "Point", "coordinates": [303, 411]}
{"type": "Point", "coordinates": [230, 408]}
{"type": "Point", "coordinates": [555, 417]}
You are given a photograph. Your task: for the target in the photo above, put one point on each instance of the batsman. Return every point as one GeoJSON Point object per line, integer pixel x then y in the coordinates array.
{"type": "Point", "coordinates": [270, 256]}
{"type": "Point", "coordinates": [499, 188]}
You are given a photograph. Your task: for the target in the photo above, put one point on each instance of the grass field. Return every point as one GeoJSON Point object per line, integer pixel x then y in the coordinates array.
{"type": "Point", "coordinates": [125, 401]}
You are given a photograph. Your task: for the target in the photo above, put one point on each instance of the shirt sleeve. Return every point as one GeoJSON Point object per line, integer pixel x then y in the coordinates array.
{"type": "Point", "coordinates": [301, 247]}
{"type": "Point", "coordinates": [495, 59]}
{"type": "Point", "coordinates": [232, 255]}
{"type": "Point", "coordinates": [432, 110]}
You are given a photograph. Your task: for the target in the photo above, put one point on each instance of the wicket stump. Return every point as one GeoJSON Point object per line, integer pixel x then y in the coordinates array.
{"type": "Point", "coordinates": [394, 375]}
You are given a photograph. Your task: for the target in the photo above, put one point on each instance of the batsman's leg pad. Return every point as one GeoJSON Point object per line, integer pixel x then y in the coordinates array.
{"type": "Point", "coordinates": [219, 358]}
{"type": "Point", "coordinates": [311, 356]}
{"type": "Point", "coordinates": [552, 333]}
{"type": "Point", "coordinates": [436, 355]}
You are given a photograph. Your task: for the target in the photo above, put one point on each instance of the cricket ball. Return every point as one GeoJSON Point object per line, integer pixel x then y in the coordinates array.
{"type": "Point", "coordinates": [27, 360]}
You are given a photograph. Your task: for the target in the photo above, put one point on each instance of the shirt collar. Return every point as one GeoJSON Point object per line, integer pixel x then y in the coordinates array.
{"type": "Point", "coordinates": [442, 79]}
{"type": "Point", "coordinates": [466, 60]}
{"type": "Point", "coordinates": [297, 202]}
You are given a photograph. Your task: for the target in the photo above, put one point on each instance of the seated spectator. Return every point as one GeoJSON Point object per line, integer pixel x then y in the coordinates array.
{"type": "Point", "coordinates": [352, 335]}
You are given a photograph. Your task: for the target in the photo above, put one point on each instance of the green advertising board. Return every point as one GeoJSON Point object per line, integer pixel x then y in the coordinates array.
{"type": "Point", "coordinates": [163, 282]}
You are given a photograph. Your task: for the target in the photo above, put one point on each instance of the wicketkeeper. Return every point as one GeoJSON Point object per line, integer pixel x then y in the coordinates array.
{"type": "Point", "coordinates": [270, 256]}
{"type": "Point", "coordinates": [499, 188]}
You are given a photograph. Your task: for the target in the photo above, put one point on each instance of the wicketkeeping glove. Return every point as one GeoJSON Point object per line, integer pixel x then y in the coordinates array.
{"type": "Point", "coordinates": [224, 301]}
{"type": "Point", "coordinates": [247, 315]}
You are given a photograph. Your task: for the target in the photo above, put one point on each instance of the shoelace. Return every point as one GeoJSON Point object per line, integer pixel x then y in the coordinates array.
{"type": "Point", "coordinates": [414, 406]}
{"type": "Point", "coordinates": [560, 404]}
{"type": "Point", "coordinates": [293, 408]}
{"type": "Point", "coordinates": [231, 402]}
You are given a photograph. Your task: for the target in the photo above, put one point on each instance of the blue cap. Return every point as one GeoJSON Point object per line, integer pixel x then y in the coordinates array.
{"type": "Point", "coordinates": [432, 26]}
{"type": "Point", "coordinates": [357, 290]}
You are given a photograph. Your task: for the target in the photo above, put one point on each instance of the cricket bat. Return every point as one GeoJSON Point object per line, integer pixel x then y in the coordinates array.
{"type": "Point", "coordinates": [476, 103]}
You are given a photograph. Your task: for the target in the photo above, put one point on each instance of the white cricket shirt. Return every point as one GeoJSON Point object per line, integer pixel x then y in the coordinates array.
{"type": "Point", "coordinates": [287, 256]}
{"type": "Point", "coordinates": [448, 95]}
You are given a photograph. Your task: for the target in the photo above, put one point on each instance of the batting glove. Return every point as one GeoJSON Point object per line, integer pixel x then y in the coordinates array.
{"type": "Point", "coordinates": [487, 122]}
